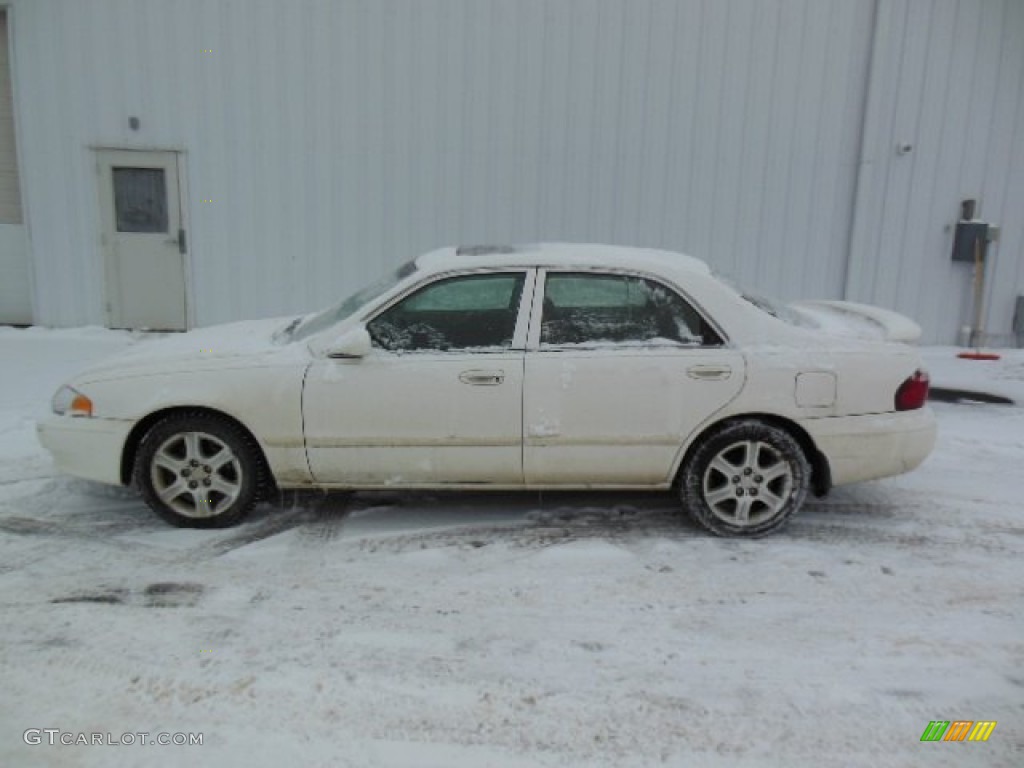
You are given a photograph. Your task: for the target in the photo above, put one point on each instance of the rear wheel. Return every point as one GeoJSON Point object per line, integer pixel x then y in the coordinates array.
{"type": "Point", "coordinates": [747, 478]}
{"type": "Point", "coordinates": [199, 471]}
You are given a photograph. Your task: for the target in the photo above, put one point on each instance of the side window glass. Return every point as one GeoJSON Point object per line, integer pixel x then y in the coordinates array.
{"type": "Point", "coordinates": [590, 309]}
{"type": "Point", "coordinates": [470, 312]}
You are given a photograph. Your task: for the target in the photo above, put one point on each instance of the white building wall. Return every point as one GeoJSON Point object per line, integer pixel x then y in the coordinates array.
{"type": "Point", "coordinates": [338, 137]}
{"type": "Point", "coordinates": [15, 279]}
{"type": "Point", "coordinates": [947, 78]}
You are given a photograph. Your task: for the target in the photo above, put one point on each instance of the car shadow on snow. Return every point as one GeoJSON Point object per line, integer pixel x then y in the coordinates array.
{"type": "Point", "coordinates": [868, 513]}
{"type": "Point", "coordinates": [401, 519]}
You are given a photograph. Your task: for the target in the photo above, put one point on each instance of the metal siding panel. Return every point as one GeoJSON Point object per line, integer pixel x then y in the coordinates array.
{"type": "Point", "coordinates": [476, 178]}
{"type": "Point", "coordinates": [10, 196]}
{"type": "Point", "coordinates": [337, 138]}
{"type": "Point", "coordinates": [805, 211]}
{"type": "Point", "coordinates": [577, 124]}
{"type": "Point", "coordinates": [71, 269]}
{"type": "Point", "coordinates": [15, 297]}
{"type": "Point", "coordinates": [947, 79]}
{"type": "Point", "coordinates": [900, 179]}
{"type": "Point", "coordinates": [749, 221]}
{"type": "Point", "coordinates": [554, 88]}
{"type": "Point", "coordinates": [945, 289]}
{"type": "Point", "coordinates": [630, 121]}
{"type": "Point", "coordinates": [705, 147]}
{"type": "Point", "coordinates": [429, 124]}
{"type": "Point", "coordinates": [660, 78]}
{"type": "Point", "coordinates": [500, 193]}
{"type": "Point", "coordinates": [876, 148]}
{"type": "Point", "coordinates": [316, 215]}
{"type": "Point", "coordinates": [838, 135]}
{"type": "Point", "coordinates": [774, 265]}
{"type": "Point", "coordinates": [681, 81]}
{"type": "Point", "coordinates": [342, 154]}
{"type": "Point", "coordinates": [245, 151]}
{"type": "Point", "coordinates": [603, 195]}
{"type": "Point", "coordinates": [732, 98]}
{"type": "Point", "coordinates": [215, 259]}
{"type": "Point", "coordinates": [923, 251]}
{"type": "Point", "coordinates": [1004, 174]}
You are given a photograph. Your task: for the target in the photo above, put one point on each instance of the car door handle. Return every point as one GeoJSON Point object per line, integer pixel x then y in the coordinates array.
{"type": "Point", "coordinates": [709, 372]}
{"type": "Point", "coordinates": [482, 378]}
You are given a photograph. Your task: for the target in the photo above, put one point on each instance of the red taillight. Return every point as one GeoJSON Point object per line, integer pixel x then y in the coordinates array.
{"type": "Point", "coordinates": [913, 392]}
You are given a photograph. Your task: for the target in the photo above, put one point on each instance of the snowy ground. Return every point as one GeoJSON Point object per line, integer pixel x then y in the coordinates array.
{"type": "Point", "coordinates": [583, 630]}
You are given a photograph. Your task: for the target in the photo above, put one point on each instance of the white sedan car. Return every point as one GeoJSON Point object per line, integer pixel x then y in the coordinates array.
{"type": "Point", "coordinates": [529, 367]}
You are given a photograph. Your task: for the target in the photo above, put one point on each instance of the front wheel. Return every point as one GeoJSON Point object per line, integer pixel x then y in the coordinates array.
{"type": "Point", "coordinates": [747, 478]}
{"type": "Point", "coordinates": [199, 471]}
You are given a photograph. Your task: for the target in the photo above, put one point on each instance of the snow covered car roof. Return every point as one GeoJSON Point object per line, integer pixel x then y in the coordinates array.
{"type": "Point", "coordinates": [559, 255]}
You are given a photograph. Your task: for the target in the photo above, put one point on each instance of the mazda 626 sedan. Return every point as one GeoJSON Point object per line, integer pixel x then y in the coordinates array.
{"type": "Point", "coordinates": [529, 367]}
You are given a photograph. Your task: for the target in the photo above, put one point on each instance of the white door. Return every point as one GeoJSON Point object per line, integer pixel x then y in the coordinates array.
{"type": "Point", "coordinates": [619, 371]}
{"type": "Point", "coordinates": [439, 398]}
{"type": "Point", "coordinates": [143, 239]}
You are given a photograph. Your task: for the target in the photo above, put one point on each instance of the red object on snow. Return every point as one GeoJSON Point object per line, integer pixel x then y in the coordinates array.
{"type": "Point", "coordinates": [978, 355]}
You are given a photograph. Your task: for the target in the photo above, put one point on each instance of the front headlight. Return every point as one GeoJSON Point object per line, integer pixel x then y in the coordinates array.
{"type": "Point", "coordinates": [72, 402]}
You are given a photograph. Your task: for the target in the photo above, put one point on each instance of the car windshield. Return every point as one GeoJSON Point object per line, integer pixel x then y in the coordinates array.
{"type": "Point", "coordinates": [338, 312]}
{"type": "Point", "coordinates": [773, 307]}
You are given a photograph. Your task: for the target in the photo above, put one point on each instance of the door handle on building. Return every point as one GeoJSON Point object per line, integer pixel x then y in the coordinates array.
{"type": "Point", "coordinates": [178, 241]}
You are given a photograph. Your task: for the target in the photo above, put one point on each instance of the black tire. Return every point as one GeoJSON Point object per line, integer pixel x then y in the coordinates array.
{"type": "Point", "coordinates": [730, 492]}
{"type": "Point", "coordinates": [217, 465]}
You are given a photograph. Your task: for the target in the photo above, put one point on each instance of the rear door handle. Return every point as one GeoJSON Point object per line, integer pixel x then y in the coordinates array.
{"type": "Point", "coordinates": [709, 372]}
{"type": "Point", "coordinates": [482, 378]}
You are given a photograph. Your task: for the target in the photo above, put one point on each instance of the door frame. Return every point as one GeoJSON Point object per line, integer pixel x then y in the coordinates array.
{"type": "Point", "coordinates": [181, 169]}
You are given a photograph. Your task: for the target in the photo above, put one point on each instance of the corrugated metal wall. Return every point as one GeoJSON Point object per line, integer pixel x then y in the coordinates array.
{"type": "Point", "coordinates": [947, 78]}
{"type": "Point", "coordinates": [10, 200]}
{"type": "Point", "coordinates": [336, 137]}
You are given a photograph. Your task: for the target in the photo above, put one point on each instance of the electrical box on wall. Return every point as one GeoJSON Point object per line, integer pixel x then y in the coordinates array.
{"type": "Point", "coordinates": [970, 240]}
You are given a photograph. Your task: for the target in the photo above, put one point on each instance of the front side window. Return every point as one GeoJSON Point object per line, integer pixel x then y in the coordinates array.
{"type": "Point", "coordinates": [587, 309]}
{"type": "Point", "coordinates": [457, 313]}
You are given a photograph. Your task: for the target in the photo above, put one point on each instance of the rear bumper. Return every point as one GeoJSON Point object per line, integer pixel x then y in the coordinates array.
{"type": "Point", "coordinates": [872, 446]}
{"type": "Point", "coordinates": [89, 448]}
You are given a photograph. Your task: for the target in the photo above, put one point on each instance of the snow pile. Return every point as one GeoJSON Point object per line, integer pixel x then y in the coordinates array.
{"type": "Point", "coordinates": [996, 377]}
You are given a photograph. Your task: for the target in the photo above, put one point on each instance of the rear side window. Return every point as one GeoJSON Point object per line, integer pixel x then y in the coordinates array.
{"type": "Point", "coordinates": [587, 309]}
{"type": "Point", "coordinates": [458, 313]}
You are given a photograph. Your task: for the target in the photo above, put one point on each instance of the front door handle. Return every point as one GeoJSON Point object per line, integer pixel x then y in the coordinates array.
{"type": "Point", "coordinates": [709, 372]}
{"type": "Point", "coordinates": [482, 378]}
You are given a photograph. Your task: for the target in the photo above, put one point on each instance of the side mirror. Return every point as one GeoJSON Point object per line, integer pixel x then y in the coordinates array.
{"type": "Point", "coordinates": [351, 344]}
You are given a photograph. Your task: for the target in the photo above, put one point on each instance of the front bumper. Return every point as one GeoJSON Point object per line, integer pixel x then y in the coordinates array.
{"type": "Point", "coordinates": [85, 447]}
{"type": "Point", "coordinates": [875, 445]}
